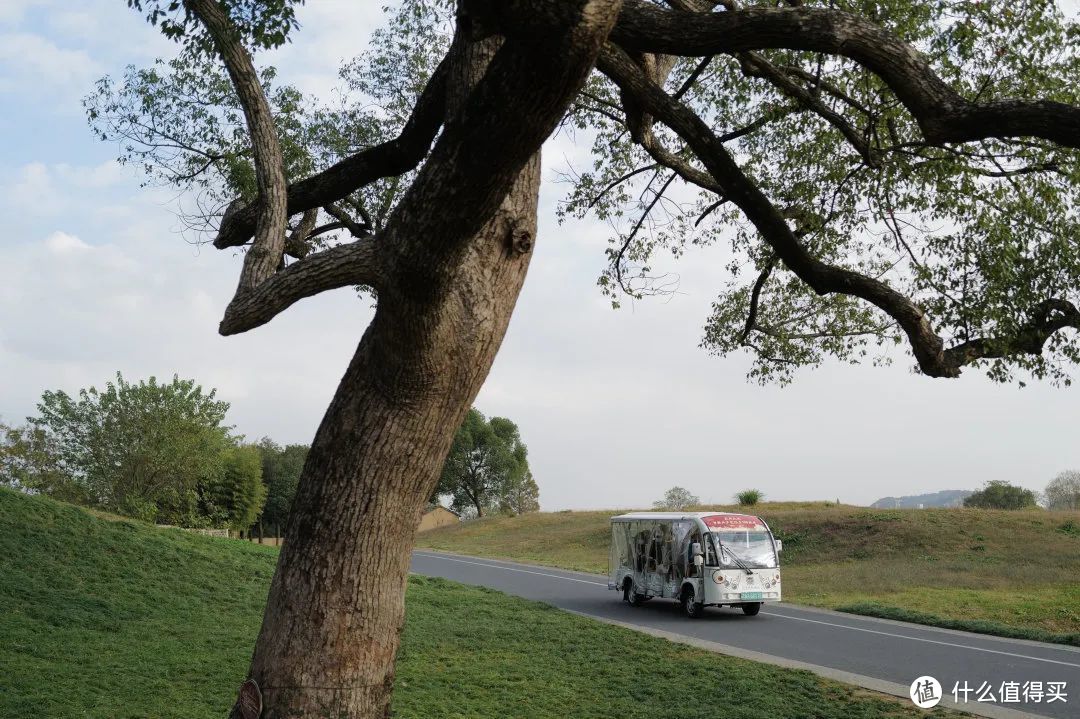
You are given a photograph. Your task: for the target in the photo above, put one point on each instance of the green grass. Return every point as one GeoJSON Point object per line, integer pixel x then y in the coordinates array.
{"type": "Point", "coordinates": [111, 619]}
{"type": "Point", "coordinates": [1010, 573]}
{"type": "Point", "coordinates": [874, 609]}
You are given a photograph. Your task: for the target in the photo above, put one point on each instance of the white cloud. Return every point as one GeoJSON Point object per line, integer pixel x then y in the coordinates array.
{"type": "Point", "coordinates": [61, 243]}
{"type": "Point", "coordinates": [34, 66]}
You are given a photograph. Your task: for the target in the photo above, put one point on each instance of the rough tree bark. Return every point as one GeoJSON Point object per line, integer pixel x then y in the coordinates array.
{"type": "Point", "coordinates": [336, 606]}
{"type": "Point", "coordinates": [447, 276]}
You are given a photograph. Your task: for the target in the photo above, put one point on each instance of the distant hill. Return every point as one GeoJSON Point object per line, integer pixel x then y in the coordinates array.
{"type": "Point", "coordinates": [944, 498]}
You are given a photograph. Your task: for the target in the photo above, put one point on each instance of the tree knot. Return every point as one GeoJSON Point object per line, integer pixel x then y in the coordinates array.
{"type": "Point", "coordinates": [521, 242]}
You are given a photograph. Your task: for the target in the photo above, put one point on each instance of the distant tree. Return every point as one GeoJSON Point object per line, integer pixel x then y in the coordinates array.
{"type": "Point", "coordinates": [676, 499]}
{"type": "Point", "coordinates": [137, 449]}
{"type": "Point", "coordinates": [1063, 492]}
{"type": "Point", "coordinates": [998, 494]}
{"type": "Point", "coordinates": [520, 496]}
{"type": "Point", "coordinates": [30, 462]}
{"type": "Point", "coordinates": [750, 497]}
{"type": "Point", "coordinates": [239, 493]}
{"type": "Point", "coordinates": [281, 467]}
{"type": "Point", "coordinates": [487, 464]}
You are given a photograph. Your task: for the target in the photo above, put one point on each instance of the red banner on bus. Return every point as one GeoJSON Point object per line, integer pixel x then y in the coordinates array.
{"type": "Point", "coordinates": [732, 521]}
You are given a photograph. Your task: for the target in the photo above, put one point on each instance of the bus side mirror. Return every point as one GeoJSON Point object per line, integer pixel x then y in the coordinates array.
{"type": "Point", "coordinates": [699, 561]}
{"type": "Point", "coordinates": [779, 545]}
{"type": "Point", "coordinates": [695, 548]}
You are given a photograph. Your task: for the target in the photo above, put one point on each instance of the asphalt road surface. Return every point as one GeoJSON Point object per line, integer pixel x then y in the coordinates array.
{"type": "Point", "coordinates": [878, 654]}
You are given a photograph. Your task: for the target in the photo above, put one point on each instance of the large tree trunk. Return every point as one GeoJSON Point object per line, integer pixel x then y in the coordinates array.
{"type": "Point", "coordinates": [336, 607]}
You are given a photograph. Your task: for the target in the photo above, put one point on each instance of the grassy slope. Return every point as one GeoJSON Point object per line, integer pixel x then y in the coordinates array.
{"type": "Point", "coordinates": [113, 619]}
{"type": "Point", "coordinates": [1016, 570]}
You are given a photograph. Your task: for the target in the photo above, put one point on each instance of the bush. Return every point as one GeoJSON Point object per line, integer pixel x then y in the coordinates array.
{"type": "Point", "coordinates": [1001, 495]}
{"type": "Point", "coordinates": [749, 497]}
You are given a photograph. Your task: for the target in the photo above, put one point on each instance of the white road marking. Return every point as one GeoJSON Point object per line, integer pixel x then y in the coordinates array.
{"type": "Point", "coordinates": [921, 639]}
{"type": "Point", "coordinates": [771, 614]}
{"type": "Point", "coordinates": [510, 569]}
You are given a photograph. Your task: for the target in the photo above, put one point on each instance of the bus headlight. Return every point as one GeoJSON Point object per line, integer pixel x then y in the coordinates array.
{"type": "Point", "coordinates": [718, 577]}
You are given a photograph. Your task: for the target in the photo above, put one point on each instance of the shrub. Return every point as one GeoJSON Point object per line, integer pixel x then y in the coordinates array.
{"type": "Point", "coordinates": [749, 497]}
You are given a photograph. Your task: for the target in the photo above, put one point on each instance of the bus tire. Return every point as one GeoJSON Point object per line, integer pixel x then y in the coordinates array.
{"type": "Point", "coordinates": [751, 609]}
{"type": "Point", "coordinates": [630, 596]}
{"type": "Point", "coordinates": [691, 608]}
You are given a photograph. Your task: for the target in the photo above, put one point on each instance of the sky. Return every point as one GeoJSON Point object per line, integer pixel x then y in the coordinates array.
{"type": "Point", "coordinates": [615, 406]}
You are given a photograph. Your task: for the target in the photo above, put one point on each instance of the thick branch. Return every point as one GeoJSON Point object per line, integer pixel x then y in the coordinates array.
{"type": "Point", "coordinates": [1049, 317]}
{"type": "Point", "coordinates": [342, 266]}
{"type": "Point", "coordinates": [394, 157]}
{"type": "Point", "coordinates": [942, 114]}
{"type": "Point", "coordinates": [271, 217]}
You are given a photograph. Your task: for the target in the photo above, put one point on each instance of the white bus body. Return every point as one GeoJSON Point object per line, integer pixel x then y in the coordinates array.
{"type": "Point", "coordinates": [699, 558]}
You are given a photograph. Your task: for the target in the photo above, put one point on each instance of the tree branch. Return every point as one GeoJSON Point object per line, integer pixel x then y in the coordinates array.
{"type": "Point", "coordinates": [355, 263]}
{"type": "Point", "coordinates": [942, 114]}
{"type": "Point", "coordinates": [822, 277]}
{"type": "Point", "coordinates": [270, 213]}
{"type": "Point", "coordinates": [355, 228]}
{"type": "Point", "coordinates": [338, 181]}
{"type": "Point", "coordinates": [1048, 317]}
{"type": "Point", "coordinates": [755, 298]}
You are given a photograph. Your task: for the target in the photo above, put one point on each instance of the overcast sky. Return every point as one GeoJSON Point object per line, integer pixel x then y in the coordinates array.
{"type": "Point", "coordinates": [616, 406]}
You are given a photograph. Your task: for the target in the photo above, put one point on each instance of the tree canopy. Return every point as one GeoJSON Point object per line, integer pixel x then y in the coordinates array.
{"type": "Point", "coordinates": [677, 498]}
{"type": "Point", "coordinates": [872, 191]}
{"type": "Point", "coordinates": [488, 469]}
{"type": "Point", "coordinates": [139, 449]}
{"type": "Point", "coordinates": [159, 452]}
{"type": "Point", "coordinates": [281, 467]}
{"type": "Point", "coordinates": [1063, 492]}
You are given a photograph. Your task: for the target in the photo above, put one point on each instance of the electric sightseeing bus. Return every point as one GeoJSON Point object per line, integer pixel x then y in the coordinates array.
{"type": "Point", "coordinates": [699, 558]}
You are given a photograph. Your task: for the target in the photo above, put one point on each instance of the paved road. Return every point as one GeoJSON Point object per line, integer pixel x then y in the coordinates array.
{"type": "Point", "coordinates": [875, 653]}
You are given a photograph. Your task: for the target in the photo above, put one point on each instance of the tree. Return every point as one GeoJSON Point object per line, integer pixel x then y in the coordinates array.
{"type": "Point", "coordinates": [676, 499]}
{"type": "Point", "coordinates": [30, 462]}
{"type": "Point", "coordinates": [137, 449]}
{"type": "Point", "coordinates": [488, 468]}
{"type": "Point", "coordinates": [520, 496]}
{"type": "Point", "coordinates": [885, 173]}
{"type": "Point", "coordinates": [998, 494]}
{"type": "Point", "coordinates": [281, 468]}
{"type": "Point", "coordinates": [1063, 492]}
{"type": "Point", "coordinates": [239, 494]}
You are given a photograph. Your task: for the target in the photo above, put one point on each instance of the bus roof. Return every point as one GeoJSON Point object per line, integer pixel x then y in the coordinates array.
{"type": "Point", "coordinates": [713, 520]}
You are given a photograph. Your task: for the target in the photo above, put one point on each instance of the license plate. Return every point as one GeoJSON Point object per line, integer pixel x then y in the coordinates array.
{"type": "Point", "coordinates": [751, 595]}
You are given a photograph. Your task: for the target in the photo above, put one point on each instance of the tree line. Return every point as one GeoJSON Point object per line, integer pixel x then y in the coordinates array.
{"type": "Point", "coordinates": [162, 452]}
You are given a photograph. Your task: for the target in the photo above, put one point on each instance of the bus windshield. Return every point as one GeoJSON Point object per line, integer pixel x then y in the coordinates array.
{"type": "Point", "coordinates": [752, 548]}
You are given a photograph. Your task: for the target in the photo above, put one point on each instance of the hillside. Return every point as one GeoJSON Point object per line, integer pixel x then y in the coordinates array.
{"type": "Point", "coordinates": [1012, 573]}
{"type": "Point", "coordinates": [944, 498]}
{"type": "Point", "coordinates": [104, 619]}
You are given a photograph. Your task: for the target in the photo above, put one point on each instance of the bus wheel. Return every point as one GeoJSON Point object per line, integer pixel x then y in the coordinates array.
{"type": "Point", "coordinates": [691, 608]}
{"type": "Point", "coordinates": [751, 608]}
{"type": "Point", "coordinates": [630, 596]}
